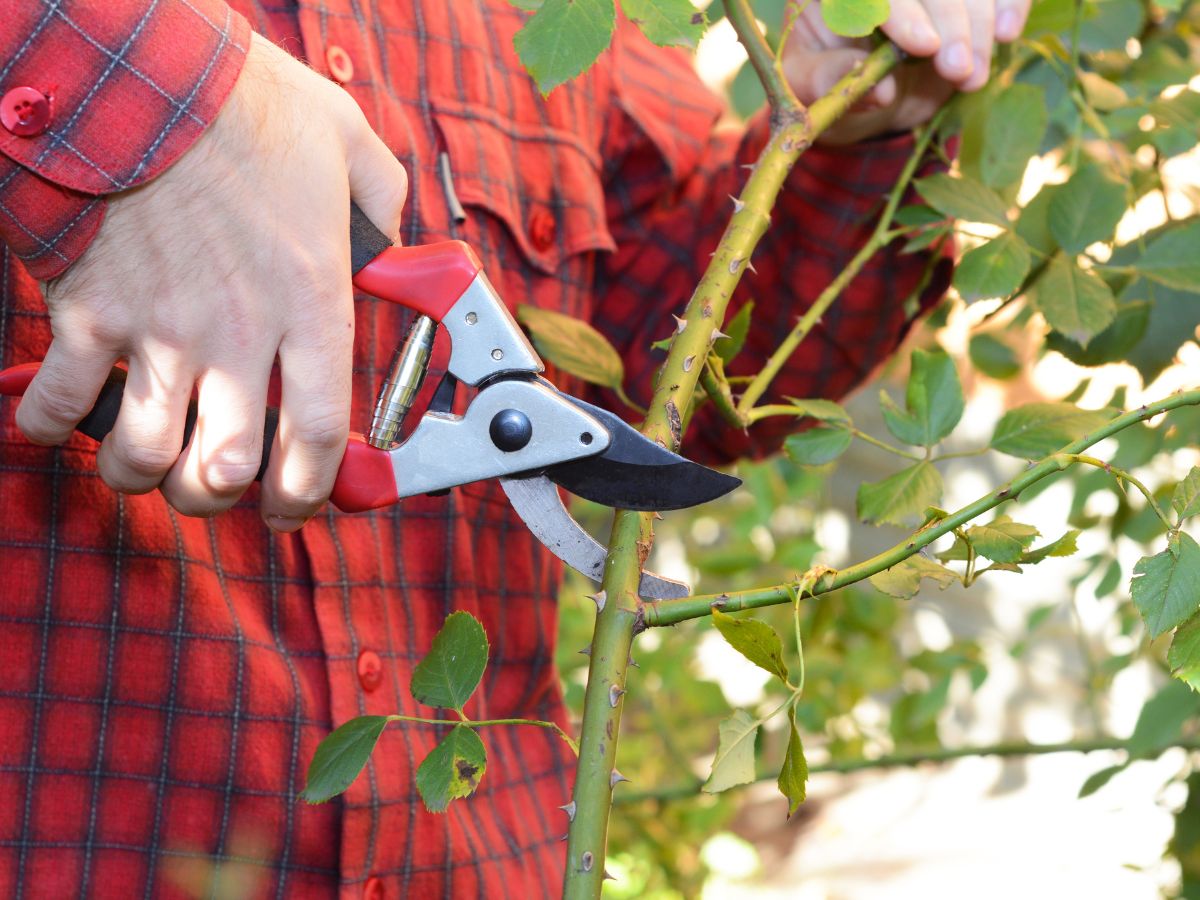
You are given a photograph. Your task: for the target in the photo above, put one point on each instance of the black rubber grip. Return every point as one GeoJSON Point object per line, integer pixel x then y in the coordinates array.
{"type": "Point", "coordinates": [366, 241]}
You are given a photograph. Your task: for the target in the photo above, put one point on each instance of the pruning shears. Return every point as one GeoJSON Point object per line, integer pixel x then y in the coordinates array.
{"type": "Point", "coordinates": [518, 427]}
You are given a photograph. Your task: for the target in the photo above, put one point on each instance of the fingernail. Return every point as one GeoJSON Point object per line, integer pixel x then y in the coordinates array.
{"type": "Point", "coordinates": [1007, 25]}
{"type": "Point", "coordinates": [284, 524]}
{"type": "Point", "coordinates": [957, 58]}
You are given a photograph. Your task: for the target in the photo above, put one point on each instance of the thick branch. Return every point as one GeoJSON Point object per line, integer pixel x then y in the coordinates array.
{"type": "Point", "coordinates": [784, 105]}
{"type": "Point", "coordinates": [670, 612]}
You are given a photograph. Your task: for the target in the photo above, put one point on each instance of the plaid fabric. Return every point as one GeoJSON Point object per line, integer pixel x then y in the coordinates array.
{"type": "Point", "coordinates": [164, 681]}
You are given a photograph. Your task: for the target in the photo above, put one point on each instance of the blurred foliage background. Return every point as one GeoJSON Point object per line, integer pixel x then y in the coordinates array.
{"type": "Point", "coordinates": [1099, 100]}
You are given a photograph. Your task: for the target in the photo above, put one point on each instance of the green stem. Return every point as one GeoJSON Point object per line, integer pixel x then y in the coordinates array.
{"type": "Point", "coordinates": [880, 237]}
{"type": "Point", "coordinates": [769, 68]}
{"type": "Point", "coordinates": [671, 612]}
{"type": "Point", "coordinates": [779, 409]}
{"type": "Point", "coordinates": [632, 534]}
{"type": "Point", "coordinates": [908, 760]}
{"type": "Point", "coordinates": [1122, 475]}
{"type": "Point", "coordinates": [481, 723]}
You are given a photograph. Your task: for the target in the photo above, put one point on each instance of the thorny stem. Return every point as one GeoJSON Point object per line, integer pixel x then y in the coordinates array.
{"type": "Point", "coordinates": [671, 612]}
{"type": "Point", "coordinates": [632, 532]}
{"type": "Point", "coordinates": [880, 237]}
{"type": "Point", "coordinates": [417, 720]}
{"type": "Point", "coordinates": [1122, 475]}
{"type": "Point", "coordinates": [785, 108]}
{"type": "Point", "coordinates": [908, 760]}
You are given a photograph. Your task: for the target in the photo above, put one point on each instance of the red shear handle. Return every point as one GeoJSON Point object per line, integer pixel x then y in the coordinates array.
{"type": "Point", "coordinates": [428, 278]}
{"type": "Point", "coordinates": [365, 480]}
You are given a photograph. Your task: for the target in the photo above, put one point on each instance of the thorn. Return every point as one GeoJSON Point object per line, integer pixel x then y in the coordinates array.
{"type": "Point", "coordinates": [608, 876]}
{"type": "Point", "coordinates": [632, 662]}
{"type": "Point", "coordinates": [599, 598]}
{"type": "Point", "coordinates": [586, 651]}
{"type": "Point", "coordinates": [564, 837]}
{"type": "Point", "coordinates": [717, 335]}
{"type": "Point", "coordinates": [750, 266]}
{"type": "Point", "coordinates": [680, 324]}
{"type": "Point", "coordinates": [588, 860]}
{"type": "Point", "coordinates": [614, 695]}
{"type": "Point", "coordinates": [658, 517]}
{"type": "Point", "coordinates": [687, 363]}
{"type": "Point", "coordinates": [750, 166]}
{"type": "Point", "coordinates": [738, 205]}
{"type": "Point", "coordinates": [615, 778]}
{"type": "Point", "coordinates": [569, 809]}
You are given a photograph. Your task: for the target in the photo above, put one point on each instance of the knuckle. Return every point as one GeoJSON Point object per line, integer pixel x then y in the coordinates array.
{"type": "Point", "coordinates": [54, 408]}
{"type": "Point", "coordinates": [146, 460]}
{"type": "Point", "coordinates": [324, 432]}
{"type": "Point", "coordinates": [230, 470]}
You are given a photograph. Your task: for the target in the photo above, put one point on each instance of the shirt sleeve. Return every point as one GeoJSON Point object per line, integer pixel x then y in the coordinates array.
{"type": "Point", "coordinates": [97, 98]}
{"type": "Point", "coordinates": [671, 176]}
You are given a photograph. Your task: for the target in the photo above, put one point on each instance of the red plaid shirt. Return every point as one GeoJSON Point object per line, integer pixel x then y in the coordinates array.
{"type": "Point", "coordinates": [164, 681]}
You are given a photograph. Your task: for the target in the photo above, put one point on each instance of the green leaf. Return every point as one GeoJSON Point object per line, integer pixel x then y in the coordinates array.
{"type": "Point", "coordinates": [573, 346]}
{"type": "Point", "coordinates": [854, 18]}
{"type": "Point", "coordinates": [1064, 546]}
{"type": "Point", "coordinates": [341, 757]}
{"type": "Point", "coordinates": [1186, 499]}
{"type": "Point", "coordinates": [736, 328]}
{"type": "Point", "coordinates": [900, 497]}
{"type": "Point", "coordinates": [1074, 301]}
{"type": "Point", "coordinates": [993, 357]}
{"type": "Point", "coordinates": [933, 401]}
{"type": "Point", "coordinates": [452, 769]}
{"type": "Point", "coordinates": [1015, 125]}
{"type": "Point", "coordinates": [755, 640]}
{"type": "Point", "coordinates": [1086, 209]}
{"type": "Point", "coordinates": [1184, 655]}
{"type": "Point", "coordinates": [793, 776]}
{"type": "Point", "coordinates": [817, 446]}
{"type": "Point", "coordinates": [734, 762]}
{"type": "Point", "coordinates": [668, 23]}
{"type": "Point", "coordinates": [1172, 259]}
{"type": "Point", "coordinates": [1161, 720]}
{"type": "Point", "coordinates": [1166, 587]}
{"type": "Point", "coordinates": [563, 38]}
{"type": "Point", "coordinates": [1033, 222]}
{"type": "Point", "coordinates": [1097, 780]}
{"type": "Point", "coordinates": [1003, 540]}
{"type": "Point", "coordinates": [903, 580]}
{"type": "Point", "coordinates": [1102, 94]}
{"type": "Point", "coordinates": [993, 270]}
{"type": "Point", "coordinates": [823, 410]}
{"type": "Point", "coordinates": [963, 198]}
{"type": "Point", "coordinates": [450, 672]}
{"type": "Point", "coordinates": [1038, 429]}
{"type": "Point", "coordinates": [1112, 344]}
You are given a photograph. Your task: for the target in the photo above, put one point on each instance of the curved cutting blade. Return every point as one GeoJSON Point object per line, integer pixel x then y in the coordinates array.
{"type": "Point", "coordinates": [540, 507]}
{"type": "Point", "coordinates": [636, 473]}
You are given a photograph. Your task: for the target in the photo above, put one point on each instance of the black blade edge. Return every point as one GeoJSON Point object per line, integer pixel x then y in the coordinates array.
{"type": "Point", "coordinates": [622, 485]}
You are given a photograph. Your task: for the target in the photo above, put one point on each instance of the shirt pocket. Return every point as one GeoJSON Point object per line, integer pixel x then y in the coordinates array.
{"type": "Point", "coordinates": [542, 184]}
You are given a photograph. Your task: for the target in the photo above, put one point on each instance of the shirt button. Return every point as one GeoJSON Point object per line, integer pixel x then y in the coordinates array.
{"type": "Point", "coordinates": [373, 889]}
{"type": "Point", "coordinates": [341, 67]}
{"type": "Point", "coordinates": [25, 111]}
{"type": "Point", "coordinates": [542, 228]}
{"type": "Point", "coordinates": [370, 672]}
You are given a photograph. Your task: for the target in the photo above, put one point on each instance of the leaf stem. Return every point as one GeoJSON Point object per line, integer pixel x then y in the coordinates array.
{"type": "Point", "coordinates": [780, 409]}
{"type": "Point", "coordinates": [671, 612]}
{"type": "Point", "coordinates": [1122, 475]}
{"type": "Point", "coordinates": [481, 723]}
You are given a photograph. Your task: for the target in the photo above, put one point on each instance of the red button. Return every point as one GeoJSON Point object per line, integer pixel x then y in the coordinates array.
{"type": "Point", "coordinates": [25, 111]}
{"type": "Point", "coordinates": [373, 889]}
{"type": "Point", "coordinates": [370, 670]}
{"type": "Point", "coordinates": [341, 67]}
{"type": "Point", "coordinates": [542, 228]}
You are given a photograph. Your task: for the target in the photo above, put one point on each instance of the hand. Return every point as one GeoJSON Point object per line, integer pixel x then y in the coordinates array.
{"type": "Point", "coordinates": [238, 253]}
{"type": "Point", "coordinates": [954, 39]}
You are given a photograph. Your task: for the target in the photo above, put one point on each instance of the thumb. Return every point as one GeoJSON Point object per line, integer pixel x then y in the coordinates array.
{"type": "Point", "coordinates": [813, 73]}
{"type": "Point", "coordinates": [378, 182]}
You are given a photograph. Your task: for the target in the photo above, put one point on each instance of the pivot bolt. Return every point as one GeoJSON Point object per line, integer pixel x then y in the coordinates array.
{"type": "Point", "coordinates": [510, 430]}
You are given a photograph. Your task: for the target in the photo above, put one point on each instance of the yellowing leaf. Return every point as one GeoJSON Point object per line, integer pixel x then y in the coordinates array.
{"type": "Point", "coordinates": [903, 580]}
{"type": "Point", "coordinates": [734, 763]}
{"type": "Point", "coordinates": [573, 346]}
{"type": "Point", "coordinates": [755, 640]}
{"type": "Point", "coordinates": [452, 769]}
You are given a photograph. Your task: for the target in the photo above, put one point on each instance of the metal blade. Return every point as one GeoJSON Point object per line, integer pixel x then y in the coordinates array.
{"type": "Point", "coordinates": [636, 473]}
{"type": "Point", "coordinates": [540, 507]}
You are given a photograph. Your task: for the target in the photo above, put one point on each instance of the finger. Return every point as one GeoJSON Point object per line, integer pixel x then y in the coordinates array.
{"type": "Point", "coordinates": [982, 17]}
{"type": "Point", "coordinates": [223, 455]}
{"type": "Point", "coordinates": [1010, 19]}
{"type": "Point", "coordinates": [911, 29]}
{"type": "Point", "coordinates": [813, 74]}
{"type": "Point", "coordinates": [378, 182]}
{"type": "Point", "coordinates": [147, 436]}
{"type": "Point", "coordinates": [954, 60]}
{"type": "Point", "coordinates": [314, 420]}
{"type": "Point", "coordinates": [64, 389]}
